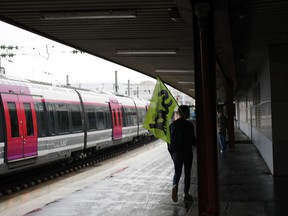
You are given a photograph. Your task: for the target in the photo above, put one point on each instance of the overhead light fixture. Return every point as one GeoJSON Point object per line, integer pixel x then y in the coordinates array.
{"type": "Point", "coordinates": [146, 52]}
{"type": "Point", "coordinates": [185, 82]}
{"type": "Point", "coordinates": [111, 14]}
{"type": "Point", "coordinates": [173, 71]}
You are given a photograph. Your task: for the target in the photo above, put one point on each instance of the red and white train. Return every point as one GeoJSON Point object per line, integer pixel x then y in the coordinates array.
{"type": "Point", "coordinates": [40, 124]}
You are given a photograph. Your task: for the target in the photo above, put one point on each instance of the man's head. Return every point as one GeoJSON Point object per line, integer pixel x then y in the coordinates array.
{"type": "Point", "coordinates": [184, 111]}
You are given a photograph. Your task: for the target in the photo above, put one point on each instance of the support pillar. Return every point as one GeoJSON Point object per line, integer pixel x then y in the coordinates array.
{"type": "Point", "coordinates": [205, 90]}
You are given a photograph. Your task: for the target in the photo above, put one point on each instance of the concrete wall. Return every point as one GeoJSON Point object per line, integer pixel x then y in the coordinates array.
{"type": "Point", "coordinates": [256, 114]}
{"type": "Point", "coordinates": [278, 58]}
{"type": "Point", "coordinates": [266, 121]}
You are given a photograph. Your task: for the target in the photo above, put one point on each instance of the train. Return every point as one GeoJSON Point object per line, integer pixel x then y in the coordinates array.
{"type": "Point", "coordinates": [42, 124]}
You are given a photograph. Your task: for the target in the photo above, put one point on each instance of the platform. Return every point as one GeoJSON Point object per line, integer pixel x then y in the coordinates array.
{"type": "Point", "coordinates": [139, 183]}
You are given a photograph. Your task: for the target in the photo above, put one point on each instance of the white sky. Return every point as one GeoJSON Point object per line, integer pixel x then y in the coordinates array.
{"type": "Point", "coordinates": [44, 60]}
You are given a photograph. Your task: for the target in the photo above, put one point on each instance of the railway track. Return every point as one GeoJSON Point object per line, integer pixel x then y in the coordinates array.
{"type": "Point", "coordinates": [14, 183]}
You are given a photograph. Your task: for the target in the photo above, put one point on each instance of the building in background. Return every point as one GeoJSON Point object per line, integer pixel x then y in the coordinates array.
{"type": "Point", "coordinates": [142, 90]}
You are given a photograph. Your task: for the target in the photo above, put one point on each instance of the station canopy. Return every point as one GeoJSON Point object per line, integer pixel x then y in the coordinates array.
{"type": "Point", "coordinates": [156, 37]}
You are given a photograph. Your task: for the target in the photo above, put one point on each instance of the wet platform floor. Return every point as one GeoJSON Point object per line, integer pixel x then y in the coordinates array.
{"type": "Point", "coordinates": [139, 183]}
{"type": "Point", "coordinates": [136, 183]}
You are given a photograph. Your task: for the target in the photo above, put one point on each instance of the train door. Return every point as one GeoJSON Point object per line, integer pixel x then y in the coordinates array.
{"type": "Point", "coordinates": [21, 129]}
{"type": "Point", "coordinates": [116, 119]}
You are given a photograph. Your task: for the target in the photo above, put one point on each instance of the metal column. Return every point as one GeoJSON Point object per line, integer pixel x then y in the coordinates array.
{"type": "Point", "coordinates": [205, 89]}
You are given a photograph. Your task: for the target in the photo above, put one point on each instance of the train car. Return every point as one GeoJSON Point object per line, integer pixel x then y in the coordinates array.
{"type": "Point", "coordinates": [41, 124]}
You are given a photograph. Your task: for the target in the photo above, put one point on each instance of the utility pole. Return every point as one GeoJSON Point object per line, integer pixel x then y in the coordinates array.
{"type": "Point", "coordinates": [2, 69]}
{"type": "Point", "coordinates": [67, 80]}
{"type": "Point", "coordinates": [128, 88]}
{"type": "Point", "coordinates": [116, 82]}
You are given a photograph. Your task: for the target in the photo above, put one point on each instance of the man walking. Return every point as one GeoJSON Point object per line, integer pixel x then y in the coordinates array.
{"type": "Point", "coordinates": [181, 149]}
{"type": "Point", "coordinates": [222, 128]}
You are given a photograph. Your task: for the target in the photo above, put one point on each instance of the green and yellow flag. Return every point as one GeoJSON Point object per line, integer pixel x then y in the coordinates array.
{"type": "Point", "coordinates": [159, 113]}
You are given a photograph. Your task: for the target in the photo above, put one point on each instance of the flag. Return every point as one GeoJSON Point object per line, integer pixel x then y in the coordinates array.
{"type": "Point", "coordinates": [159, 113]}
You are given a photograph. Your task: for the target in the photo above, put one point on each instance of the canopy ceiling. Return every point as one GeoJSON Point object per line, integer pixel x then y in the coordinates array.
{"type": "Point", "coordinates": [161, 30]}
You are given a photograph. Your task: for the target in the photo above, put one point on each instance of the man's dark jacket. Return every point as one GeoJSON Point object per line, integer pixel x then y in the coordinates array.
{"type": "Point", "coordinates": [182, 136]}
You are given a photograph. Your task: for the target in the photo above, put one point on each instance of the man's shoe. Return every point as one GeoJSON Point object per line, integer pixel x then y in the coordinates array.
{"type": "Point", "coordinates": [175, 193]}
{"type": "Point", "coordinates": [187, 197]}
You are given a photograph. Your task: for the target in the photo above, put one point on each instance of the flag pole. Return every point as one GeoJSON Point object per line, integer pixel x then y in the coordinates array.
{"type": "Point", "coordinates": [168, 91]}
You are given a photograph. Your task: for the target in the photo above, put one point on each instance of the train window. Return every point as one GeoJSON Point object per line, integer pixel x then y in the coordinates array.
{"type": "Point", "coordinates": [41, 123]}
{"type": "Point", "coordinates": [51, 119]}
{"type": "Point", "coordinates": [13, 119]}
{"type": "Point", "coordinates": [127, 117]}
{"type": "Point", "coordinates": [100, 120]}
{"type": "Point", "coordinates": [63, 118]}
{"type": "Point", "coordinates": [29, 120]}
{"type": "Point", "coordinates": [108, 123]}
{"type": "Point", "coordinates": [129, 123]}
{"type": "Point", "coordinates": [141, 115]}
{"type": "Point", "coordinates": [131, 116]}
{"type": "Point", "coordinates": [91, 117]}
{"type": "Point", "coordinates": [124, 117]}
{"type": "Point", "coordinates": [76, 118]}
{"type": "Point", "coordinates": [119, 116]}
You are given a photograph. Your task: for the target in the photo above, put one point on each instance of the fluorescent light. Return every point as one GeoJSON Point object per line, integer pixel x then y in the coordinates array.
{"type": "Point", "coordinates": [146, 52]}
{"type": "Point", "coordinates": [111, 14]}
{"type": "Point", "coordinates": [173, 71]}
{"type": "Point", "coordinates": [185, 82]}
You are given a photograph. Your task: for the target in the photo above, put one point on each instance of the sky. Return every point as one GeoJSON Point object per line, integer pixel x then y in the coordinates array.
{"type": "Point", "coordinates": [44, 60]}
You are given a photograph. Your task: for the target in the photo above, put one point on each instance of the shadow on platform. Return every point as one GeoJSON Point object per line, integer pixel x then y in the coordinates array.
{"type": "Point", "coordinates": [246, 186]}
